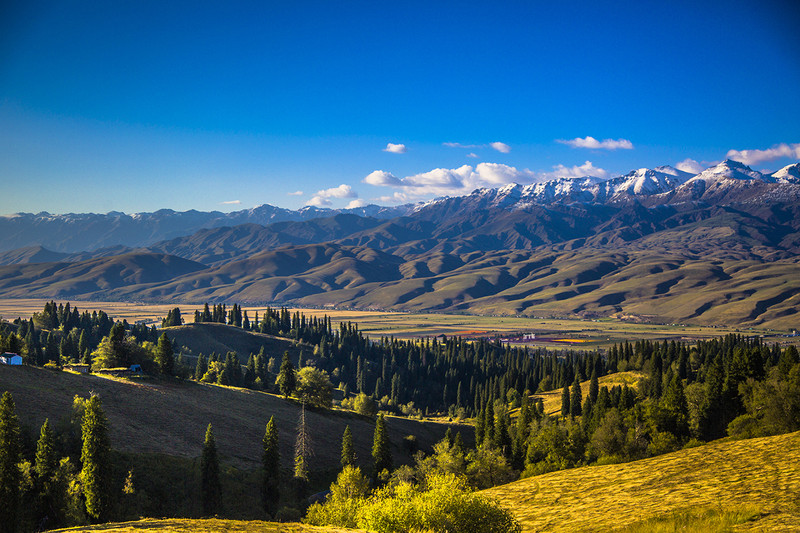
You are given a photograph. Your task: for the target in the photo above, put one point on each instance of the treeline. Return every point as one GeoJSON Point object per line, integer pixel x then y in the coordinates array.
{"type": "Point", "coordinates": [61, 334]}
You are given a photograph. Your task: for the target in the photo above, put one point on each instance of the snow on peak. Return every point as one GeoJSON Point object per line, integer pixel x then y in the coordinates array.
{"type": "Point", "coordinates": [788, 174]}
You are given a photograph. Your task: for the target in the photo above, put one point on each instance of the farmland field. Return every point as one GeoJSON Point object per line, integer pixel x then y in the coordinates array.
{"type": "Point", "coordinates": [553, 333]}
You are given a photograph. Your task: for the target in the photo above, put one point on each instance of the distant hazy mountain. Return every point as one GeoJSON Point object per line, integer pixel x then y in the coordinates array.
{"type": "Point", "coordinates": [73, 232]}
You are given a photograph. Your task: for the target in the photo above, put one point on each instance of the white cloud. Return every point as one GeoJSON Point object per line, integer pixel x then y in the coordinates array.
{"type": "Point", "coordinates": [754, 157]}
{"type": "Point", "coordinates": [358, 202]}
{"type": "Point", "coordinates": [231, 202]}
{"type": "Point", "coordinates": [395, 148]}
{"type": "Point", "coordinates": [690, 165]}
{"type": "Point", "coordinates": [594, 144]}
{"type": "Point", "coordinates": [381, 178]}
{"type": "Point", "coordinates": [448, 181]}
{"type": "Point", "coordinates": [295, 193]}
{"type": "Point", "coordinates": [459, 145]}
{"type": "Point", "coordinates": [577, 171]}
{"type": "Point", "coordinates": [503, 148]}
{"type": "Point", "coordinates": [473, 155]}
{"type": "Point", "coordinates": [322, 198]}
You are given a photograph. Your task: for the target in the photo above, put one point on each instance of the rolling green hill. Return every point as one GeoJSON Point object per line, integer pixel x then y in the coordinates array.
{"type": "Point", "coordinates": [758, 477]}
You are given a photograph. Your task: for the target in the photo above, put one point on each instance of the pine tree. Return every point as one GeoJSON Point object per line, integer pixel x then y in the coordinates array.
{"type": "Point", "coordinates": [302, 448]}
{"type": "Point", "coordinates": [201, 368]}
{"type": "Point", "coordinates": [165, 356]}
{"type": "Point", "coordinates": [594, 387]}
{"type": "Point", "coordinates": [211, 488]}
{"type": "Point", "coordinates": [381, 451]}
{"type": "Point", "coordinates": [45, 470]}
{"type": "Point", "coordinates": [95, 475]}
{"type": "Point", "coordinates": [10, 455]}
{"type": "Point", "coordinates": [348, 454]}
{"type": "Point", "coordinates": [286, 378]}
{"type": "Point", "coordinates": [565, 410]}
{"type": "Point", "coordinates": [270, 460]}
{"type": "Point", "coordinates": [575, 399]}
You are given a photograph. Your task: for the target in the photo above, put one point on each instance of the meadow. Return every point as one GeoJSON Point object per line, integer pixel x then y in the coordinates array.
{"type": "Point", "coordinates": [555, 333]}
{"type": "Point", "coordinates": [755, 481]}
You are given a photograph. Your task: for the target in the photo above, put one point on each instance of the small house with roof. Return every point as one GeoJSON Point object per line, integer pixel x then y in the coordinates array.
{"type": "Point", "coordinates": [9, 358]}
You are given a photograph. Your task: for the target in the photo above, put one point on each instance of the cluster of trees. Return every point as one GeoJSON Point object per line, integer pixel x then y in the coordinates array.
{"type": "Point", "coordinates": [51, 491]}
{"type": "Point", "coordinates": [61, 334]}
{"type": "Point", "coordinates": [730, 386]}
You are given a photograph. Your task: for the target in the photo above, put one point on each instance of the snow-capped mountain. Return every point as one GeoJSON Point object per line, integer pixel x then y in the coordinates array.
{"type": "Point", "coordinates": [727, 183]}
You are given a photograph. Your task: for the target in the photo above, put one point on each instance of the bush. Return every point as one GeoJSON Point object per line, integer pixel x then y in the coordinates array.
{"type": "Point", "coordinates": [445, 504]}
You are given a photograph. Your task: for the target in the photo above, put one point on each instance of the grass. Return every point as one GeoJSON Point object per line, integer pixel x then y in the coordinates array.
{"type": "Point", "coordinates": [184, 525]}
{"type": "Point", "coordinates": [714, 520]}
{"type": "Point", "coordinates": [747, 485]}
{"type": "Point", "coordinates": [170, 418]}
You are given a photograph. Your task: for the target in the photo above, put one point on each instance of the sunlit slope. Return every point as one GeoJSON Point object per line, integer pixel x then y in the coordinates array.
{"type": "Point", "coordinates": [763, 472]}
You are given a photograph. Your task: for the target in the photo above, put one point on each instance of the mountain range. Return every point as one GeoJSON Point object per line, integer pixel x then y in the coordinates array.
{"type": "Point", "coordinates": [718, 247]}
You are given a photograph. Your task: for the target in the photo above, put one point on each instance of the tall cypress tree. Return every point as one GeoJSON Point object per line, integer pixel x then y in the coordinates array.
{"type": "Point", "coordinates": [348, 454]}
{"type": "Point", "coordinates": [10, 455]}
{"type": "Point", "coordinates": [381, 451]}
{"type": "Point", "coordinates": [270, 460]}
{"type": "Point", "coordinates": [211, 489]}
{"type": "Point", "coordinates": [95, 473]}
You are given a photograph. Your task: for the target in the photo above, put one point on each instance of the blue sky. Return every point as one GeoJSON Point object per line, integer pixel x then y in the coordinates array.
{"type": "Point", "coordinates": [137, 106]}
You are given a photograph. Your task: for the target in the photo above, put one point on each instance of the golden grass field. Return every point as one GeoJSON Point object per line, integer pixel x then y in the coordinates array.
{"type": "Point", "coordinates": [186, 525]}
{"type": "Point", "coordinates": [573, 333]}
{"type": "Point", "coordinates": [756, 478]}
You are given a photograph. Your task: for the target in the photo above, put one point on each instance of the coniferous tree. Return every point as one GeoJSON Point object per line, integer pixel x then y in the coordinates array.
{"type": "Point", "coordinates": [165, 356]}
{"type": "Point", "coordinates": [381, 450]}
{"type": "Point", "coordinates": [201, 368]}
{"type": "Point", "coordinates": [211, 489]}
{"type": "Point", "coordinates": [348, 454]}
{"type": "Point", "coordinates": [95, 475]}
{"type": "Point", "coordinates": [287, 381]}
{"type": "Point", "coordinates": [45, 473]}
{"type": "Point", "coordinates": [10, 455]}
{"type": "Point", "coordinates": [270, 460]}
{"type": "Point", "coordinates": [575, 398]}
{"type": "Point", "coordinates": [594, 387]}
{"type": "Point", "coordinates": [565, 407]}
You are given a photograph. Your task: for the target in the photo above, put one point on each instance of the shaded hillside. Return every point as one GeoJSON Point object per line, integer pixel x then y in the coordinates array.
{"type": "Point", "coordinates": [208, 337]}
{"type": "Point", "coordinates": [207, 525]}
{"type": "Point", "coordinates": [763, 472]}
{"type": "Point", "coordinates": [171, 418]}
{"type": "Point", "coordinates": [221, 245]}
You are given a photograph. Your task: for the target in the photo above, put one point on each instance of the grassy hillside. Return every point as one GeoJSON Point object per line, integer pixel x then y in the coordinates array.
{"type": "Point", "coordinates": [760, 477]}
{"type": "Point", "coordinates": [170, 418]}
{"type": "Point", "coordinates": [646, 284]}
{"type": "Point", "coordinates": [552, 399]}
{"type": "Point", "coordinates": [184, 525]}
{"type": "Point", "coordinates": [207, 337]}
